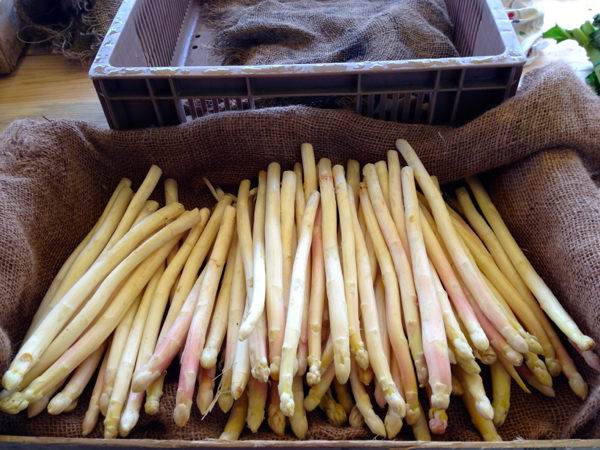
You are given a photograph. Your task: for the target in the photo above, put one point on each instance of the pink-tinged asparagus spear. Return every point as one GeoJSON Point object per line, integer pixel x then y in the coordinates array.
{"type": "Point", "coordinates": [446, 273]}
{"type": "Point", "coordinates": [317, 297]}
{"type": "Point", "coordinates": [236, 313]}
{"type": "Point", "coordinates": [258, 350]}
{"type": "Point", "coordinates": [77, 383]}
{"type": "Point", "coordinates": [218, 322]}
{"type": "Point", "coordinates": [202, 315]}
{"type": "Point", "coordinates": [91, 416]}
{"type": "Point", "coordinates": [403, 272]}
{"type": "Point", "coordinates": [432, 318]}
{"type": "Point", "coordinates": [457, 252]}
{"type": "Point", "coordinates": [528, 376]}
{"type": "Point", "coordinates": [392, 302]}
{"type": "Point", "coordinates": [206, 388]}
{"type": "Point", "coordinates": [545, 297]}
{"type": "Point", "coordinates": [590, 357]}
{"type": "Point", "coordinates": [349, 268]}
{"type": "Point", "coordinates": [338, 311]}
{"type": "Point", "coordinates": [293, 326]}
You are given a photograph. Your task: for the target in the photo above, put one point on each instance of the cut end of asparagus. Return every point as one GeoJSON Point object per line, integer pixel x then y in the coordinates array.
{"type": "Point", "coordinates": [90, 420]}
{"type": "Point", "coordinates": [225, 402]}
{"type": "Point", "coordinates": [356, 419]}
{"type": "Point", "coordinates": [59, 404]}
{"type": "Point", "coordinates": [275, 364]}
{"type": "Point", "coordinates": [313, 377]}
{"type": "Point", "coordinates": [287, 404]}
{"type": "Point", "coordinates": [480, 340]}
{"type": "Point", "coordinates": [181, 413]}
{"type": "Point", "coordinates": [577, 385]}
{"type": "Point", "coordinates": [585, 343]}
{"type": "Point", "coordinates": [276, 420]}
{"type": "Point", "coordinates": [128, 420]}
{"type": "Point", "coordinates": [553, 366]}
{"type": "Point", "coordinates": [438, 426]}
{"type": "Point", "coordinates": [484, 408]}
{"type": "Point", "coordinates": [261, 370]}
{"type": "Point", "coordinates": [14, 404]}
{"type": "Point", "coordinates": [209, 358]}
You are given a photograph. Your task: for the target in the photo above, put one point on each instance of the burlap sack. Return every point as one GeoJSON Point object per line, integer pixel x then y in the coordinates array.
{"type": "Point", "coordinates": [259, 32]}
{"type": "Point", "coordinates": [537, 150]}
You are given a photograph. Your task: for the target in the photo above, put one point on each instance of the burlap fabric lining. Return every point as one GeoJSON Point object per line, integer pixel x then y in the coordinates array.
{"type": "Point", "coordinates": [259, 32]}
{"type": "Point", "coordinates": [537, 151]}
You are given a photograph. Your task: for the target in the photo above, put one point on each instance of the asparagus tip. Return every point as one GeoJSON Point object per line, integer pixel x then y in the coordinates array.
{"type": "Point", "coordinates": [413, 414]}
{"type": "Point", "coordinates": [313, 377]}
{"type": "Point", "coordinates": [142, 380]}
{"type": "Point", "coordinates": [151, 406]}
{"type": "Point", "coordinates": [393, 424]}
{"type": "Point", "coordinates": [553, 366]}
{"type": "Point", "coordinates": [225, 402]}
{"type": "Point", "coordinates": [58, 404]}
{"type": "Point", "coordinates": [578, 386]}
{"type": "Point", "coordinates": [500, 413]}
{"type": "Point", "coordinates": [484, 408]}
{"type": "Point", "coordinates": [480, 340]}
{"type": "Point", "coordinates": [356, 419]}
{"type": "Point", "coordinates": [13, 377]}
{"type": "Point", "coordinates": [90, 420]}
{"type": "Point", "coordinates": [261, 370]}
{"type": "Point", "coordinates": [397, 404]}
{"type": "Point", "coordinates": [209, 358]}
{"type": "Point", "coordinates": [362, 358]}
{"type": "Point", "coordinates": [275, 363]}
{"type": "Point", "coordinates": [287, 404]}
{"type": "Point", "coordinates": [276, 420]}
{"type": "Point", "coordinates": [128, 420]}
{"type": "Point", "coordinates": [14, 404]}
{"type": "Point", "coordinates": [181, 414]}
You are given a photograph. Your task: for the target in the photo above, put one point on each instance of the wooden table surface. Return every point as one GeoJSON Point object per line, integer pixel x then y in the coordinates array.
{"type": "Point", "coordinates": [49, 86]}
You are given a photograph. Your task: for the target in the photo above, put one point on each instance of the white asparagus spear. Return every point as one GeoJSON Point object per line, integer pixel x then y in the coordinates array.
{"type": "Point", "coordinates": [236, 421]}
{"type": "Point", "coordinates": [349, 268]}
{"type": "Point", "coordinates": [379, 352]}
{"type": "Point", "coordinates": [403, 271]}
{"type": "Point", "coordinates": [310, 169]}
{"type": "Point", "coordinates": [293, 326]}
{"type": "Point", "coordinates": [257, 403]}
{"type": "Point", "coordinates": [501, 392]}
{"type": "Point", "coordinates": [58, 279]}
{"type": "Point", "coordinates": [135, 206]}
{"type": "Point", "coordinates": [298, 421]}
{"type": "Point", "coordinates": [474, 384]}
{"type": "Point", "coordinates": [77, 382]}
{"type": "Point", "coordinates": [457, 253]}
{"type": "Point", "coordinates": [274, 269]}
{"type": "Point", "coordinates": [171, 196]}
{"type": "Point", "coordinates": [353, 177]}
{"type": "Point", "coordinates": [317, 297]}
{"type": "Point", "coordinates": [392, 302]}
{"type": "Point", "coordinates": [206, 388]}
{"type": "Point", "coordinates": [275, 417]}
{"type": "Point", "coordinates": [396, 204]}
{"type": "Point", "coordinates": [432, 317]}
{"type": "Point", "coordinates": [287, 213]}
{"type": "Point", "coordinates": [544, 295]}
{"type": "Point", "coordinates": [236, 313]}
{"type": "Point", "coordinates": [338, 312]}
{"type": "Point", "coordinates": [240, 374]}
{"type": "Point", "coordinates": [384, 182]}
{"type": "Point", "coordinates": [40, 405]}
{"type": "Point", "coordinates": [363, 403]}
{"type": "Point", "coordinates": [258, 350]}
{"type": "Point", "coordinates": [91, 416]}
{"type": "Point", "coordinates": [124, 373]}
{"type": "Point", "coordinates": [150, 207]}
{"type": "Point", "coordinates": [219, 320]}
{"type": "Point", "coordinates": [53, 323]}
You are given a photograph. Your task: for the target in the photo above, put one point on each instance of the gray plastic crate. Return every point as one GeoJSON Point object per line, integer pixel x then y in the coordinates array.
{"type": "Point", "coordinates": [151, 70]}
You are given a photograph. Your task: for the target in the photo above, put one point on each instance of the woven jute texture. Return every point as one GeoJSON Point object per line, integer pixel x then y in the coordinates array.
{"type": "Point", "coordinates": [258, 32]}
{"type": "Point", "coordinates": [536, 153]}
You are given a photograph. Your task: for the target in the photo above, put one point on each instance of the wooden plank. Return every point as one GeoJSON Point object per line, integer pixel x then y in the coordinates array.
{"type": "Point", "coordinates": [10, 45]}
{"type": "Point", "coordinates": [32, 443]}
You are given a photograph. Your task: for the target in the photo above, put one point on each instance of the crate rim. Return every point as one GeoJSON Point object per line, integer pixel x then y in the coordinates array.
{"type": "Point", "coordinates": [101, 67]}
{"type": "Point", "coordinates": [17, 441]}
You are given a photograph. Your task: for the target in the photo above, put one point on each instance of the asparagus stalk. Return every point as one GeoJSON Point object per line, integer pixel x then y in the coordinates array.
{"type": "Point", "coordinates": [236, 313]}
{"type": "Point", "coordinates": [392, 303]}
{"type": "Point", "coordinates": [257, 350]}
{"type": "Point", "coordinates": [219, 320]}
{"type": "Point", "coordinates": [545, 297]}
{"type": "Point", "coordinates": [77, 383]}
{"type": "Point", "coordinates": [528, 376]}
{"type": "Point", "coordinates": [257, 402]}
{"type": "Point", "coordinates": [485, 426]}
{"type": "Point", "coordinates": [310, 170]}
{"type": "Point", "coordinates": [317, 392]}
{"type": "Point", "coordinates": [501, 392]}
{"type": "Point", "coordinates": [343, 395]}
{"type": "Point", "coordinates": [294, 319]}
{"type": "Point", "coordinates": [317, 298]}
{"type": "Point", "coordinates": [122, 380]}
{"type": "Point", "coordinates": [396, 204]}
{"type": "Point", "coordinates": [91, 416]}
{"type": "Point", "coordinates": [363, 403]}
{"type": "Point", "coordinates": [275, 417]}
{"type": "Point", "coordinates": [298, 420]}
{"type": "Point", "coordinates": [274, 269]}
{"type": "Point", "coordinates": [393, 421]}
{"type": "Point", "coordinates": [150, 207]}
{"type": "Point", "coordinates": [287, 213]}
{"type": "Point", "coordinates": [122, 254]}
{"type": "Point", "coordinates": [202, 314]}
{"type": "Point", "coordinates": [457, 253]}
{"type": "Point", "coordinates": [353, 177]}
{"type": "Point", "coordinates": [421, 429]}
{"type": "Point", "coordinates": [338, 310]}
{"type": "Point", "coordinates": [403, 272]}
{"type": "Point", "coordinates": [240, 369]}
{"type": "Point", "coordinates": [206, 387]}
{"type": "Point", "coordinates": [236, 421]}
{"type": "Point", "coordinates": [171, 196]}
{"type": "Point", "coordinates": [349, 268]}
{"type": "Point", "coordinates": [457, 387]}
{"type": "Point", "coordinates": [474, 384]}
{"type": "Point", "coordinates": [384, 182]}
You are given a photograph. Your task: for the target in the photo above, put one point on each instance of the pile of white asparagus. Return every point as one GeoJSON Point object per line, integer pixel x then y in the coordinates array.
{"type": "Point", "coordinates": [313, 289]}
